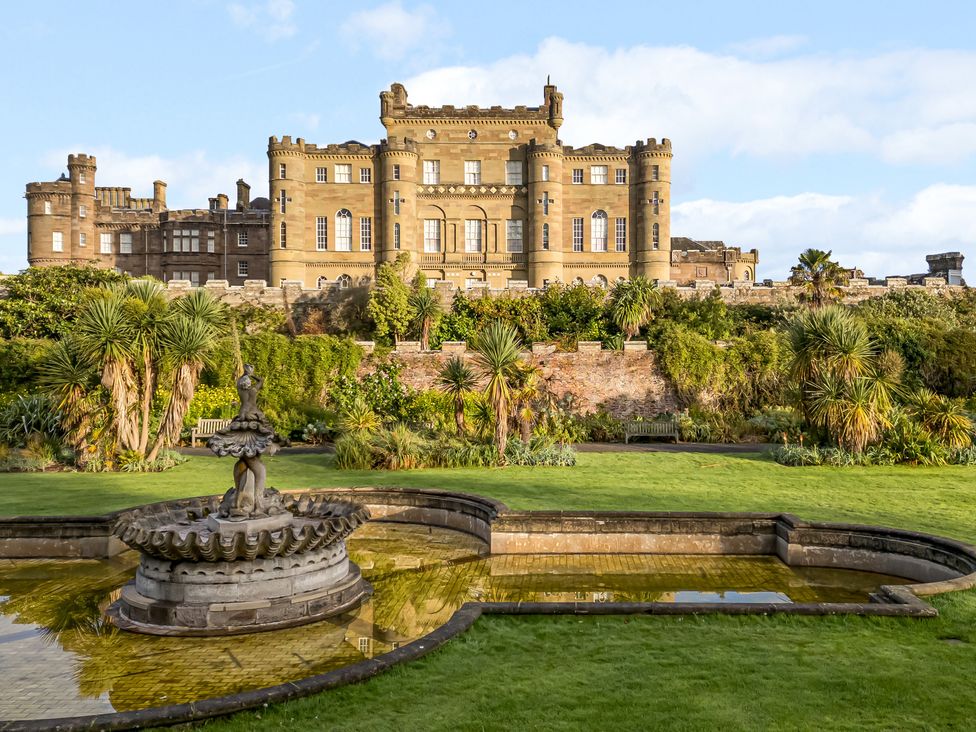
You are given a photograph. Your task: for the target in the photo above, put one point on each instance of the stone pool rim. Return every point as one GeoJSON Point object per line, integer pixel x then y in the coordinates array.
{"type": "Point", "coordinates": [767, 533]}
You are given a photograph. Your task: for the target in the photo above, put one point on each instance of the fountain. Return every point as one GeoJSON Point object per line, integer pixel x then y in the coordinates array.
{"type": "Point", "coordinates": [249, 561]}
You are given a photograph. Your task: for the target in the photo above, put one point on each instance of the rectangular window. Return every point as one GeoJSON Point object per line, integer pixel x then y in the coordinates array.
{"type": "Point", "coordinates": [125, 243]}
{"type": "Point", "coordinates": [194, 278]}
{"type": "Point", "coordinates": [396, 172]}
{"type": "Point", "coordinates": [577, 235]}
{"type": "Point", "coordinates": [343, 173]}
{"type": "Point", "coordinates": [282, 200]}
{"type": "Point", "coordinates": [210, 242]}
{"type": "Point", "coordinates": [513, 172]}
{"type": "Point", "coordinates": [47, 208]}
{"type": "Point", "coordinates": [282, 171]}
{"type": "Point", "coordinates": [81, 177]}
{"type": "Point", "coordinates": [513, 235]}
{"type": "Point", "coordinates": [343, 232]}
{"type": "Point", "coordinates": [577, 175]}
{"type": "Point", "coordinates": [620, 235]}
{"type": "Point", "coordinates": [211, 276]}
{"type": "Point", "coordinates": [365, 234]}
{"type": "Point", "coordinates": [194, 240]}
{"type": "Point", "coordinates": [283, 235]}
{"type": "Point", "coordinates": [472, 235]}
{"type": "Point", "coordinates": [396, 203]}
{"type": "Point", "coordinates": [655, 203]}
{"type": "Point", "coordinates": [598, 174]}
{"type": "Point", "coordinates": [83, 239]}
{"type": "Point", "coordinates": [472, 172]}
{"type": "Point", "coordinates": [620, 176]}
{"type": "Point", "coordinates": [545, 172]}
{"type": "Point", "coordinates": [321, 233]}
{"type": "Point", "coordinates": [545, 203]}
{"type": "Point", "coordinates": [82, 211]}
{"type": "Point", "coordinates": [655, 172]}
{"type": "Point", "coordinates": [432, 172]}
{"type": "Point", "coordinates": [242, 268]}
{"type": "Point", "coordinates": [396, 236]}
{"type": "Point", "coordinates": [545, 236]}
{"type": "Point", "coordinates": [364, 646]}
{"type": "Point", "coordinates": [57, 241]}
{"type": "Point", "coordinates": [321, 175]}
{"type": "Point", "coordinates": [432, 235]}
{"type": "Point", "coordinates": [104, 243]}
{"type": "Point", "coordinates": [655, 236]}
{"type": "Point", "coordinates": [242, 238]}
{"type": "Point", "coordinates": [365, 175]}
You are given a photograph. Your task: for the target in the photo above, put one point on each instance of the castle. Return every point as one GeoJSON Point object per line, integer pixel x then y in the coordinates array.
{"type": "Point", "coordinates": [476, 197]}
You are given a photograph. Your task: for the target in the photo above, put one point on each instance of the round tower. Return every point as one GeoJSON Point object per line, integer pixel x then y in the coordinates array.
{"type": "Point", "coordinates": [545, 252]}
{"type": "Point", "coordinates": [652, 252]}
{"type": "Point", "coordinates": [398, 191]}
{"type": "Point", "coordinates": [81, 172]}
{"type": "Point", "coordinates": [286, 184]}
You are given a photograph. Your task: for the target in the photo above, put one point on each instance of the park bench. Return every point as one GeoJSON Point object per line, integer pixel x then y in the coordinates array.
{"type": "Point", "coordinates": [663, 427]}
{"type": "Point", "coordinates": [206, 428]}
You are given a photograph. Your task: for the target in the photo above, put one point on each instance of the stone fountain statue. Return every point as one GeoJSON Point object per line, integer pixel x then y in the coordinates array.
{"type": "Point", "coordinates": [253, 559]}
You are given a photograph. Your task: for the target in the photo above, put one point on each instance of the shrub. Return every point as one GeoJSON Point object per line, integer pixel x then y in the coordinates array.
{"type": "Point", "coordinates": [164, 461]}
{"type": "Point", "coordinates": [26, 416]}
{"type": "Point", "coordinates": [778, 423]}
{"type": "Point", "coordinates": [397, 449]}
{"type": "Point", "coordinates": [211, 402]}
{"type": "Point", "coordinates": [455, 453]}
{"type": "Point", "coordinates": [797, 455]}
{"type": "Point", "coordinates": [539, 452]}
{"type": "Point", "coordinates": [353, 452]}
{"type": "Point", "coordinates": [19, 361]}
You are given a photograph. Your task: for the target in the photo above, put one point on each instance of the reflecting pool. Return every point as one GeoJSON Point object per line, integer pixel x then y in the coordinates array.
{"type": "Point", "coordinates": [59, 657]}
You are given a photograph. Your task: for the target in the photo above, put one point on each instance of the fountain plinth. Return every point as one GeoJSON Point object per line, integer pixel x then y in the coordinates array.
{"type": "Point", "coordinates": [251, 560]}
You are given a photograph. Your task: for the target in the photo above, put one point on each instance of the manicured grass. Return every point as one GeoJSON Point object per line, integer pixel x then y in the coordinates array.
{"type": "Point", "coordinates": [941, 500]}
{"type": "Point", "coordinates": [642, 672]}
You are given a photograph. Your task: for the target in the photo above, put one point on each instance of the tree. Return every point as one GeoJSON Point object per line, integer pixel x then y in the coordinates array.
{"type": "Point", "coordinates": [944, 418]}
{"type": "Point", "coordinates": [842, 384]}
{"type": "Point", "coordinates": [43, 302]}
{"type": "Point", "coordinates": [126, 342]}
{"type": "Point", "coordinates": [426, 309]}
{"type": "Point", "coordinates": [389, 303]}
{"type": "Point", "coordinates": [457, 379]}
{"type": "Point", "coordinates": [497, 356]}
{"type": "Point", "coordinates": [819, 277]}
{"type": "Point", "coordinates": [526, 390]}
{"type": "Point", "coordinates": [631, 304]}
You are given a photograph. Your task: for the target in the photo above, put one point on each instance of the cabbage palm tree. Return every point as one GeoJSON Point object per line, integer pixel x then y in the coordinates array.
{"type": "Point", "coordinates": [819, 277]}
{"type": "Point", "coordinates": [456, 379]}
{"type": "Point", "coordinates": [631, 305]}
{"type": "Point", "coordinates": [497, 356]}
{"type": "Point", "coordinates": [526, 389]}
{"type": "Point", "coordinates": [68, 377]}
{"type": "Point", "coordinates": [148, 312]}
{"type": "Point", "coordinates": [358, 417]}
{"type": "Point", "coordinates": [946, 419]}
{"type": "Point", "coordinates": [426, 308]}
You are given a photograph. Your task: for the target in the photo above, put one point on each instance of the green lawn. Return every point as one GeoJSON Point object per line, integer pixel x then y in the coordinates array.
{"type": "Point", "coordinates": [641, 672]}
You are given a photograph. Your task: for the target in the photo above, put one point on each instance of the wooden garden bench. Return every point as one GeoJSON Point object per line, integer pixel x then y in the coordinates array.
{"type": "Point", "coordinates": [666, 427]}
{"type": "Point", "coordinates": [206, 428]}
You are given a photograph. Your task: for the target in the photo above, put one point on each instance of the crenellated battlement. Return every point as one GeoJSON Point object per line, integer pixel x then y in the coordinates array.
{"type": "Point", "coordinates": [596, 149]}
{"type": "Point", "coordinates": [81, 159]}
{"type": "Point", "coordinates": [398, 144]}
{"type": "Point", "coordinates": [300, 147]}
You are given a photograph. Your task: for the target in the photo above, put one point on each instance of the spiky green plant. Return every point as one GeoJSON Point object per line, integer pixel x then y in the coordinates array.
{"type": "Point", "coordinates": [358, 417]}
{"type": "Point", "coordinates": [426, 309]}
{"type": "Point", "coordinates": [631, 305]}
{"type": "Point", "coordinates": [819, 276]}
{"type": "Point", "coordinates": [457, 379]}
{"type": "Point", "coordinates": [497, 355]}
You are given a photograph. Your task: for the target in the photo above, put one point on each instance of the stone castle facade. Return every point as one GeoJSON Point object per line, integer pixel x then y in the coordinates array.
{"type": "Point", "coordinates": [476, 197]}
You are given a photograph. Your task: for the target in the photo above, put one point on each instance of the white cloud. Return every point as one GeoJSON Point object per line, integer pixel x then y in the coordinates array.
{"type": "Point", "coordinates": [922, 146]}
{"type": "Point", "coordinates": [391, 31]}
{"type": "Point", "coordinates": [879, 236]}
{"type": "Point", "coordinates": [191, 178]}
{"type": "Point", "coordinates": [769, 46]}
{"type": "Point", "coordinates": [272, 18]}
{"type": "Point", "coordinates": [714, 103]}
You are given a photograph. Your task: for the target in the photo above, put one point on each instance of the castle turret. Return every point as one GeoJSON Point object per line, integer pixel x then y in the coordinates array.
{"type": "Point", "coordinates": [652, 249]}
{"type": "Point", "coordinates": [398, 189]}
{"type": "Point", "coordinates": [545, 169]}
{"type": "Point", "coordinates": [81, 171]}
{"type": "Point", "coordinates": [286, 174]}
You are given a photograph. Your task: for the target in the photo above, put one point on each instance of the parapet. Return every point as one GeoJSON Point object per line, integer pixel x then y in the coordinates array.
{"type": "Point", "coordinates": [350, 147]}
{"type": "Point", "coordinates": [398, 144]}
{"type": "Point", "coordinates": [596, 149]}
{"type": "Point", "coordinates": [652, 146]}
{"type": "Point", "coordinates": [81, 159]}
{"type": "Point", "coordinates": [393, 105]}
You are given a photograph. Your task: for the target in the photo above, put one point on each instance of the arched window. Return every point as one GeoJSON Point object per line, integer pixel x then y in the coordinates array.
{"type": "Point", "coordinates": [656, 236]}
{"type": "Point", "coordinates": [396, 236]}
{"type": "Point", "coordinates": [545, 236]}
{"type": "Point", "coordinates": [283, 236]}
{"type": "Point", "coordinates": [747, 275]}
{"type": "Point", "coordinates": [600, 281]}
{"type": "Point", "coordinates": [321, 282]}
{"type": "Point", "coordinates": [344, 281]}
{"type": "Point", "coordinates": [578, 281]}
{"type": "Point", "coordinates": [364, 281]}
{"type": "Point", "coordinates": [343, 231]}
{"type": "Point", "coordinates": [598, 231]}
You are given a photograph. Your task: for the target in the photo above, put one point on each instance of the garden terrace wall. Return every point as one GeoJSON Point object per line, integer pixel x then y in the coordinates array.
{"type": "Point", "coordinates": [626, 383]}
{"type": "Point", "coordinates": [769, 292]}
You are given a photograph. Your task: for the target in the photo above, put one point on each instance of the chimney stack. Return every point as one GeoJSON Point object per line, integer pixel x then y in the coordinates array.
{"type": "Point", "coordinates": [243, 195]}
{"type": "Point", "coordinates": [159, 196]}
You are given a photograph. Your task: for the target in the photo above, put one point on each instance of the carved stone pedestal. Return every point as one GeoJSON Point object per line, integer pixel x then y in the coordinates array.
{"type": "Point", "coordinates": [226, 598]}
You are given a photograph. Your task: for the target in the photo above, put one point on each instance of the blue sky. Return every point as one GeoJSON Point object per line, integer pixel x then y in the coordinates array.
{"type": "Point", "coordinates": [843, 125]}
